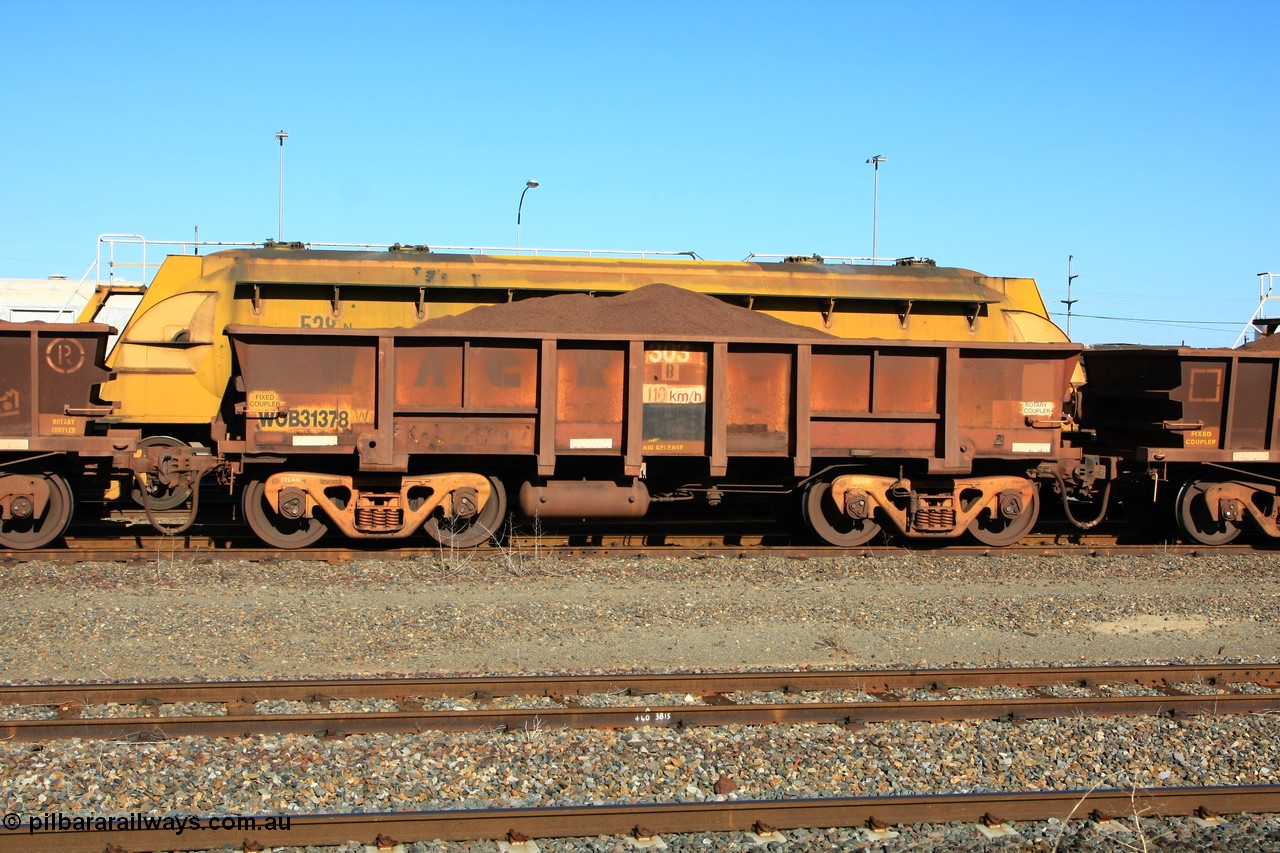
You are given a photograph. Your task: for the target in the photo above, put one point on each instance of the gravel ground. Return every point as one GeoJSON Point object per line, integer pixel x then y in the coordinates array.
{"type": "Point", "coordinates": [181, 618]}
{"type": "Point", "coordinates": [189, 619]}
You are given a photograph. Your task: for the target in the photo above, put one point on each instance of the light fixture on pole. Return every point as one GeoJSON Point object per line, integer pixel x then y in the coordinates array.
{"type": "Point", "coordinates": [875, 206]}
{"type": "Point", "coordinates": [282, 136]}
{"type": "Point", "coordinates": [529, 185]}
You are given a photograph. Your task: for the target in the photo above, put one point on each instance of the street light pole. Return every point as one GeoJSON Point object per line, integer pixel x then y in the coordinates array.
{"type": "Point", "coordinates": [282, 136]}
{"type": "Point", "coordinates": [875, 207]}
{"type": "Point", "coordinates": [529, 185]}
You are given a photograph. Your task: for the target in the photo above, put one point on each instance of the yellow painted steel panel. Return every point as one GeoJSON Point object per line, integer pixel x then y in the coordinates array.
{"type": "Point", "coordinates": [174, 362]}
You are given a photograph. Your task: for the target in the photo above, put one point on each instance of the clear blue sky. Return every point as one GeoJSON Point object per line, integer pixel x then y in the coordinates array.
{"type": "Point", "coordinates": [1140, 137]}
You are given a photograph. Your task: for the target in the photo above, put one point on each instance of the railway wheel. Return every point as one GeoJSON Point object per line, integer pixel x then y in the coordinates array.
{"type": "Point", "coordinates": [26, 531]}
{"type": "Point", "coordinates": [830, 524]}
{"type": "Point", "coordinates": [158, 495]}
{"type": "Point", "coordinates": [998, 530]}
{"type": "Point", "coordinates": [275, 529]}
{"type": "Point", "coordinates": [1194, 520]}
{"type": "Point", "coordinates": [468, 531]}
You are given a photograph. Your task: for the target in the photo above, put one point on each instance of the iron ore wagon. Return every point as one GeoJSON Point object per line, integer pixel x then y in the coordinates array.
{"type": "Point", "coordinates": [596, 407]}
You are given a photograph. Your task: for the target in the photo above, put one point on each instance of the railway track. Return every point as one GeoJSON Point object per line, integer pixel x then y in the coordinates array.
{"type": "Point", "coordinates": [763, 818]}
{"type": "Point", "coordinates": [196, 551]}
{"type": "Point", "coordinates": [163, 710]}
{"type": "Point", "coordinates": [142, 543]}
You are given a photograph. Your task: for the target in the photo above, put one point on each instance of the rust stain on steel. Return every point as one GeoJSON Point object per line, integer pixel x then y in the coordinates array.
{"type": "Point", "coordinates": [759, 402]}
{"type": "Point", "coordinates": [298, 391]}
{"type": "Point", "coordinates": [590, 398]}
{"type": "Point", "coordinates": [865, 382]}
{"type": "Point", "coordinates": [501, 377]}
{"type": "Point", "coordinates": [907, 383]}
{"type": "Point", "coordinates": [429, 373]}
{"type": "Point", "coordinates": [463, 397]}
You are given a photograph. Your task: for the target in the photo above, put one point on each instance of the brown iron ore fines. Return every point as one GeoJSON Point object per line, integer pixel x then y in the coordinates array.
{"type": "Point", "coordinates": [655, 309]}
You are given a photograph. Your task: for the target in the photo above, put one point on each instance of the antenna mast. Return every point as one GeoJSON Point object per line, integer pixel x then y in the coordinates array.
{"type": "Point", "coordinates": [1069, 301]}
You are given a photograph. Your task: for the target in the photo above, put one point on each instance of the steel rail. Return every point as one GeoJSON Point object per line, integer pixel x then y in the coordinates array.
{"type": "Point", "coordinates": [343, 724]}
{"type": "Point", "coordinates": [127, 535]}
{"type": "Point", "coordinates": [204, 549]}
{"type": "Point", "coordinates": [718, 710]}
{"type": "Point", "coordinates": [652, 819]}
{"type": "Point", "coordinates": [703, 683]}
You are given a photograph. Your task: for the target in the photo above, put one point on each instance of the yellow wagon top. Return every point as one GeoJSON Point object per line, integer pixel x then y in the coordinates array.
{"type": "Point", "coordinates": [173, 362]}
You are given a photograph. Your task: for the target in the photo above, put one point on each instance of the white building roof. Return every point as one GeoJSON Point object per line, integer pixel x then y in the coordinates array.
{"type": "Point", "coordinates": [50, 299]}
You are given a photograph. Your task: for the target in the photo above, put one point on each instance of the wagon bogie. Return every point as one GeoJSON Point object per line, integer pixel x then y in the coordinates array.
{"type": "Point", "coordinates": [996, 510]}
{"type": "Point", "coordinates": [1211, 510]}
{"type": "Point", "coordinates": [387, 508]}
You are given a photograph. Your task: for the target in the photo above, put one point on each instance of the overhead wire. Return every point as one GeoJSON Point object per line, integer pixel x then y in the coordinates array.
{"type": "Point", "coordinates": [1205, 325]}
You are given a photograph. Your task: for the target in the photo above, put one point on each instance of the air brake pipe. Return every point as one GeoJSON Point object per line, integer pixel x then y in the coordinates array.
{"type": "Point", "coordinates": [195, 504]}
{"type": "Point", "coordinates": [1066, 507]}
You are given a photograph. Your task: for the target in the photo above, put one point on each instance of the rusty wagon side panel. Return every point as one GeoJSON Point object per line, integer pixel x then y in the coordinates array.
{"type": "Point", "coordinates": [1199, 430]}
{"type": "Point", "coordinates": [49, 374]}
{"type": "Point", "coordinates": [1181, 404]}
{"type": "Point", "coordinates": [390, 396]}
{"type": "Point", "coordinates": [51, 441]}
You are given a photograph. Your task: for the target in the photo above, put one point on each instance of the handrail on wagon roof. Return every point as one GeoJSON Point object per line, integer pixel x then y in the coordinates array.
{"type": "Point", "coordinates": [115, 266]}
{"type": "Point", "coordinates": [117, 269]}
{"type": "Point", "coordinates": [840, 259]}
{"type": "Point", "coordinates": [818, 259]}
{"type": "Point", "coordinates": [126, 260]}
{"type": "Point", "coordinates": [524, 251]}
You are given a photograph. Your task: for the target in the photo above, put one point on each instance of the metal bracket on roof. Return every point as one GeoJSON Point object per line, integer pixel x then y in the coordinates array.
{"type": "Point", "coordinates": [751, 302]}
{"type": "Point", "coordinates": [421, 304]}
{"type": "Point", "coordinates": [336, 304]}
{"type": "Point", "coordinates": [257, 299]}
{"type": "Point", "coordinates": [511, 294]}
{"type": "Point", "coordinates": [905, 312]}
{"type": "Point", "coordinates": [972, 316]}
{"type": "Point", "coordinates": [826, 315]}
